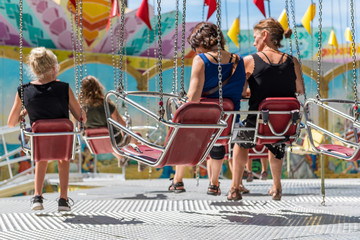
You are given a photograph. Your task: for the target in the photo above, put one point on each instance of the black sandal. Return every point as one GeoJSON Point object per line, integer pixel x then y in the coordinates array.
{"type": "Point", "coordinates": [214, 190]}
{"type": "Point", "coordinates": [176, 187]}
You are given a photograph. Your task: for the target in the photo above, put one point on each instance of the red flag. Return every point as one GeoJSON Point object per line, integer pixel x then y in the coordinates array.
{"type": "Point", "coordinates": [206, 2]}
{"type": "Point", "coordinates": [260, 5]}
{"type": "Point", "coordinates": [115, 11]}
{"type": "Point", "coordinates": [143, 13]}
{"type": "Point", "coordinates": [212, 7]}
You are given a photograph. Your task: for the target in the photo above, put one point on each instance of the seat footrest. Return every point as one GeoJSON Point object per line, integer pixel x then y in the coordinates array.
{"type": "Point", "coordinates": [338, 149]}
{"type": "Point", "coordinates": [142, 151]}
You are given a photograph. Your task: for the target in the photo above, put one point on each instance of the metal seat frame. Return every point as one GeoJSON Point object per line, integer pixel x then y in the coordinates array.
{"type": "Point", "coordinates": [218, 128]}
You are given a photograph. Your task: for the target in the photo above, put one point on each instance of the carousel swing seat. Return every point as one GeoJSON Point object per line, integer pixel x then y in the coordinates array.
{"type": "Point", "coordinates": [52, 139]}
{"type": "Point", "coordinates": [279, 120]}
{"type": "Point", "coordinates": [98, 140]}
{"type": "Point", "coordinates": [193, 131]}
{"type": "Point", "coordinates": [342, 149]}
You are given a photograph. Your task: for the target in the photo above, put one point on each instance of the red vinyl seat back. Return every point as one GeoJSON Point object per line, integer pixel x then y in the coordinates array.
{"type": "Point", "coordinates": [278, 121]}
{"type": "Point", "coordinates": [52, 147]}
{"type": "Point", "coordinates": [190, 144]}
{"type": "Point", "coordinates": [228, 105]}
{"type": "Point", "coordinates": [261, 151]}
{"type": "Point", "coordinates": [99, 146]}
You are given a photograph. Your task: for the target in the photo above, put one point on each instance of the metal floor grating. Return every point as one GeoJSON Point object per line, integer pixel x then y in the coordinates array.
{"type": "Point", "coordinates": [144, 210]}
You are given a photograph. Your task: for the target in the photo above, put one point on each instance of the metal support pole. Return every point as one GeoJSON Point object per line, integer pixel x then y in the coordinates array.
{"type": "Point", "coordinates": [269, 8]}
{"type": "Point", "coordinates": [95, 163]}
{"type": "Point", "coordinates": [6, 153]}
{"type": "Point", "coordinates": [288, 163]}
{"type": "Point", "coordinates": [322, 179]}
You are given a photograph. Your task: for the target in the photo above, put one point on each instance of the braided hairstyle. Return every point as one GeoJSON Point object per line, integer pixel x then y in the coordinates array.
{"type": "Point", "coordinates": [204, 34]}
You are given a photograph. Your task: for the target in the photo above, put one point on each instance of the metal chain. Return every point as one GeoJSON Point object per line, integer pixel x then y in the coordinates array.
{"type": "Point", "coordinates": [182, 87]}
{"type": "Point", "coordinates": [120, 87]}
{"type": "Point", "coordinates": [113, 53]}
{"type": "Point", "coordinates": [356, 114]}
{"type": "Point", "coordinates": [21, 66]}
{"type": "Point", "coordinates": [161, 103]}
{"type": "Point", "coordinates": [297, 44]}
{"type": "Point", "coordinates": [83, 65]}
{"type": "Point", "coordinates": [203, 11]}
{"type": "Point", "coordinates": [319, 51]}
{"type": "Point", "coordinates": [77, 51]}
{"type": "Point", "coordinates": [312, 53]}
{"type": "Point", "coordinates": [288, 21]}
{"type": "Point", "coordinates": [175, 73]}
{"type": "Point", "coordinates": [74, 48]}
{"type": "Point", "coordinates": [218, 17]}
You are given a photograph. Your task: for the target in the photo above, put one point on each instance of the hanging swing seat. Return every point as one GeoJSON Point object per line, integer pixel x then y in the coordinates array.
{"type": "Point", "coordinates": [52, 139]}
{"type": "Point", "coordinates": [338, 149]}
{"type": "Point", "coordinates": [334, 150]}
{"type": "Point", "coordinates": [98, 140]}
{"type": "Point", "coordinates": [279, 120]}
{"type": "Point", "coordinates": [193, 131]}
{"type": "Point", "coordinates": [228, 105]}
{"type": "Point", "coordinates": [259, 151]}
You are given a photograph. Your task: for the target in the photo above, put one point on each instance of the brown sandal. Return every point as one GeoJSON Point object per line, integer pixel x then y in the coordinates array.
{"type": "Point", "coordinates": [234, 194]}
{"type": "Point", "coordinates": [275, 194]}
{"type": "Point", "coordinates": [214, 190]}
{"type": "Point", "coordinates": [176, 187]}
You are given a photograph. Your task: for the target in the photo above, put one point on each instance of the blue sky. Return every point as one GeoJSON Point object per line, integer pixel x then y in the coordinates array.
{"type": "Point", "coordinates": [340, 12]}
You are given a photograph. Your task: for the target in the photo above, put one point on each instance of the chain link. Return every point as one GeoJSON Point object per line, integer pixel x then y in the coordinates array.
{"type": "Point", "coordinates": [175, 73]}
{"type": "Point", "coordinates": [353, 48]}
{"type": "Point", "coordinates": [120, 87]}
{"type": "Point", "coordinates": [288, 21]}
{"type": "Point", "coordinates": [113, 53]}
{"type": "Point", "coordinates": [161, 103]}
{"type": "Point", "coordinates": [297, 44]}
{"type": "Point", "coordinates": [74, 49]}
{"type": "Point", "coordinates": [218, 17]}
{"type": "Point", "coordinates": [21, 66]}
{"type": "Point", "coordinates": [319, 52]}
{"type": "Point", "coordinates": [182, 87]}
{"type": "Point", "coordinates": [83, 65]}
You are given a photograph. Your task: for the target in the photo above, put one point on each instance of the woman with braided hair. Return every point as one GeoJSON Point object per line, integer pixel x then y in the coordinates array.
{"type": "Point", "coordinates": [203, 83]}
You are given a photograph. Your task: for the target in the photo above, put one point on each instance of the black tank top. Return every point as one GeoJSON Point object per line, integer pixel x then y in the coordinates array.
{"type": "Point", "coordinates": [47, 101]}
{"type": "Point", "coordinates": [271, 80]}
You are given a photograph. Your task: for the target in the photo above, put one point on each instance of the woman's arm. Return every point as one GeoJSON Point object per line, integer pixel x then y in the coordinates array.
{"type": "Point", "coordinates": [249, 68]}
{"type": "Point", "coordinates": [74, 107]}
{"type": "Point", "coordinates": [300, 88]}
{"type": "Point", "coordinates": [15, 113]}
{"type": "Point", "coordinates": [197, 80]}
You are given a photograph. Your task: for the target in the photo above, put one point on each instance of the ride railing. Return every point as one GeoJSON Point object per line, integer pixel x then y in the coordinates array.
{"type": "Point", "coordinates": [324, 104]}
{"type": "Point", "coordinates": [9, 157]}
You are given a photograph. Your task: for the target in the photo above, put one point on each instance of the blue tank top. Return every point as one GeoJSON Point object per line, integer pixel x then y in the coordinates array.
{"type": "Point", "coordinates": [233, 89]}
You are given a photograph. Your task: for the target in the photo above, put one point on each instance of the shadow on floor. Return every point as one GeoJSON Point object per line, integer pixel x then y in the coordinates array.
{"type": "Point", "coordinates": [282, 218]}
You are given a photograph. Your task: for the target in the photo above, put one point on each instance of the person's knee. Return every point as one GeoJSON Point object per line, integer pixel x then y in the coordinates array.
{"type": "Point", "coordinates": [217, 152]}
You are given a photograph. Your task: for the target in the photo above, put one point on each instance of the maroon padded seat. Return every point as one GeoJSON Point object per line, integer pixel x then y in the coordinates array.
{"type": "Point", "coordinates": [341, 150]}
{"type": "Point", "coordinates": [189, 144]}
{"type": "Point", "coordinates": [99, 146]}
{"type": "Point", "coordinates": [52, 147]}
{"type": "Point", "coordinates": [228, 105]}
{"type": "Point", "coordinates": [278, 121]}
